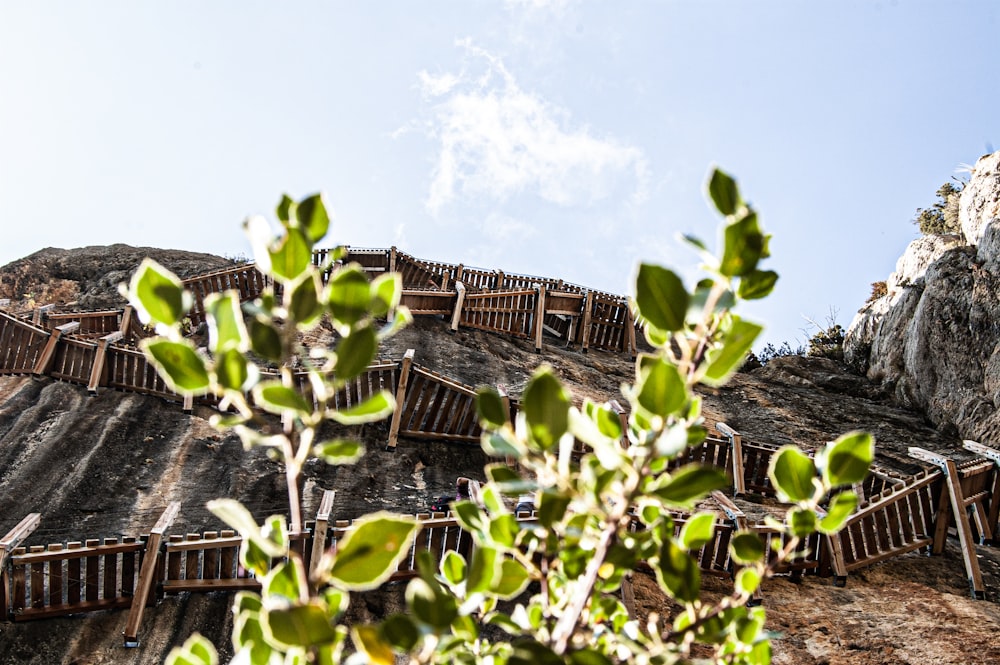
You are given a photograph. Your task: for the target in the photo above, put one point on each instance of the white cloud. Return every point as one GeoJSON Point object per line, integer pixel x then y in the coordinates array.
{"type": "Point", "coordinates": [498, 141]}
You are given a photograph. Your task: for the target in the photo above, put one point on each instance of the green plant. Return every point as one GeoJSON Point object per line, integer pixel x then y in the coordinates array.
{"type": "Point", "coordinates": [532, 592]}
{"type": "Point", "coordinates": [827, 342]}
{"type": "Point", "coordinates": [879, 290]}
{"type": "Point", "coordinates": [942, 216]}
{"type": "Point", "coordinates": [770, 352]}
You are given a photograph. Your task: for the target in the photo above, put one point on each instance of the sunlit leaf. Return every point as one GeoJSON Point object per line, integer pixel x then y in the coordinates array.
{"type": "Point", "coordinates": [724, 192]}
{"type": "Point", "coordinates": [545, 405]}
{"type": "Point", "coordinates": [678, 573]}
{"type": "Point", "coordinates": [746, 547]}
{"type": "Point", "coordinates": [840, 509]}
{"type": "Point", "coordinates": [226, 329]}
{"type": "Point", "coordinates": [356, 352]}
{"type": "Point", "coordinates": [846, 460]}
{"type": "Point", "coordinates": [157, 294]}
{"type": "Point", "coordinates": [339, 451]}
{"type": "Point", "coordinates": [371, 550]}
{"type": "Point", "coordinates": [298, 625]}
{"type": "Point", "coordinates": [180, 365]}
{"type": "Point", "coordinates": [725, 361]}
{"type": "Point", "coordinates": [197, 650]}
{"type": "Point", "coordinates": [373, 409]}
{"type": "Point", "coordinates": [292, 257]}
{"type": "Point", "coordinates": [313, 218]}
{"type": "Point", "coordinates": [661, 297]}
{"type": "Point", "coordinates": [793, 474]}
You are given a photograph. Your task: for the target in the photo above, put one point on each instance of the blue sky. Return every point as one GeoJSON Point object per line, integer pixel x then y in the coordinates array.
{"type": "Point", "coordinates": [560, 138]}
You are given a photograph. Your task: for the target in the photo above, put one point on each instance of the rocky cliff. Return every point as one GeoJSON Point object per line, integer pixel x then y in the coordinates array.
{"type": "Point", "coordinates": [933, 339]}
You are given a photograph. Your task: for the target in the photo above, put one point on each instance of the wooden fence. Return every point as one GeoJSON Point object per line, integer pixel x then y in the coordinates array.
{"type": "Point", "coordinates": [909, 513]}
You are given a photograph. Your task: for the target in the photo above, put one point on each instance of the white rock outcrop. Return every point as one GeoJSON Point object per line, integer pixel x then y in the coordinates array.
{"type": "Point", "coordinates": [934, 338]}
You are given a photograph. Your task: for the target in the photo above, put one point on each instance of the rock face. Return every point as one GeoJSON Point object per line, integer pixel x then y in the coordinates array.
{"type": "Point", "coordinates": [934, 339]}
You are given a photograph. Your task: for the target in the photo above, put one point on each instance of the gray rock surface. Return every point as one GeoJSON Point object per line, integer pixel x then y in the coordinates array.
{"type": "Point", "coordinates": [934, 339]}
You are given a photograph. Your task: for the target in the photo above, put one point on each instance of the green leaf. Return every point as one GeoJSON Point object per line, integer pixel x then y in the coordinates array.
{"type": "Point", "coordinates": [285, 209]}
{"type": "Point", "coordinates": [304, 307]}
{"type": "Point", "coordinates": [197, 650]}
{"type": "Point", "coordinates": [747, 581]}
{"type": "Point", "coordinates": [469, 516]}
{"type": "Point", "coordinates": [373, 409]}
{"type": "Point", "coordinates": [298, 626]}
{"type": "Point", "coordinates": [745, 245]}
{"type": "Point", "coordinates": [276, 398]}
{"type": "Point", "coordinates": [265, 340]}
{"type": "Point", "coordinates": [661, 390]}
{"type": "Point", "coordinates": [249, 635]}
{"type": "Point", "coordinates": [678, 573]}
{"type": "Point", "coordinates": [284, 580]}
{"type": "Point", "coordinates": [233, 372]}
{"type": "Point", "coordinates": [690, 483]}
{"type": "Point", "coordinates": [180, 365]}
{"type": "Point", "coordinates": [793, 474]}
{"type": "Point", "coordinates": [370, 642]}
{"type": "Point", "coordinates": [453, 567]}
{"type": "Point", "coordinates": [545, 405]}
{"type": "Point", "coordinates": [840, 509]}
{"type": "Point", "coordinates": [513, 580]}
{"type": "Point", "coordinates": [724, 192]}
{"type": "Point", "coordinates": [313, 218]}
{"type": "Point", "coordinates": [490, 406]}
{"type": "Point", "coordinates": [348, 295]}
{"type": "Point", "coordinates": [661, 297]}
{"type": "Point", "coordinates": [846, 460]}
{"type": "Point", "coordinates": [758, 284]}
{"type": "Point", "coordinates": [400, 631]}
{"type": "Point", "coordinates": [226, 329]}
{"type": "Point", "coordinates": [356, 352]}
{"type": "Point", "coordinates": [371, 550]}
{"type": "Point", "coordinates": [236, 515]}
{"type": "Point", "coordinates": [485, 570]}
{"type": "Point", "coordinates": [503, 529]}
{"type": "Point", "coordinates": [747, 548]}
{"type": "Point", "coordinates": [430, 604]}
{"type": "Point", "coordinates": [802, 522]}
{"type": "Point", "coordinates": [386, 292]}
{"type": "Point", "coordinates": [293, 256]}
{"type": "Point", "coordinates": [725, 361]}
{"type": "Point", "coordinates": [552, 505]}
{"type": "Point", "coordinates": [697, 531]}
{"type": "Point", "coordinates": [157, 294]}
{"type": "Point", "coordinates": [339, 451]}
{"type": "Point", "coordinates": [588, 657]}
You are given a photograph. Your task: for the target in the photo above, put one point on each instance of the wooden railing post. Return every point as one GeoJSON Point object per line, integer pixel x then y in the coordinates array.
{"type": "Point", "coordinates": [954, 489]}
{"type": "Point", "coordinates": [456, 314]}
{"type": "Point", "coordinates": [97, 373]}
{"type": "Point", "coordinates": [48, 353]}
{"type": "Point", "coordinates": [127, 315]}
{"type": "Point", "coordinates": [741, 523]}
{"type": "Point", "coordinates": [319, 532]}
{"type": "Point", "coordinates": [539, 316]}
{"type": "Point", "coordinates": [397, 413]}
{"type": "Point", "coordinates": [993, 515]}
{"type": "Point", "coordinates": [8, 543]}
{"type": "Point", "coordinates": [736, 457]}
{"type": "Point", "coordinates": [630, 331]}
{"type": "Point", "coordinates": [588, 307]}
{"type": "Point", "coordinates": [147, 573]}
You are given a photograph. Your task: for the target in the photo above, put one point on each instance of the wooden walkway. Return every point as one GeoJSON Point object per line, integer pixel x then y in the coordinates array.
{"type": "Point", "coordinates": [897, 514]}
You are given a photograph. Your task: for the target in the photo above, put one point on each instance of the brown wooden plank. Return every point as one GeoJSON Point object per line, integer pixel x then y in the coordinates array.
{"type": "Point", "coordinates": [111, 585]}
{"type": "Point", "coordinates": [92, 568]}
